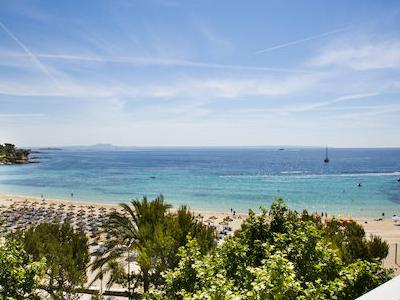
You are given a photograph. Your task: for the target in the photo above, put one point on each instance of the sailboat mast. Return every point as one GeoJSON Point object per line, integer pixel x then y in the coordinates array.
{"type": "Point", "coordinates": [326, 160]}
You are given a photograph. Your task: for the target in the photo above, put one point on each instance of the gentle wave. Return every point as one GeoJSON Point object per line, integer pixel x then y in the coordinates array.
{"type": "Point", "coordinates": [295, 174]}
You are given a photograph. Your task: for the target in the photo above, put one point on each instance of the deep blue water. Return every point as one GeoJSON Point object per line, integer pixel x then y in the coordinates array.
{"type": "Point", "coordinates": [218, 179]}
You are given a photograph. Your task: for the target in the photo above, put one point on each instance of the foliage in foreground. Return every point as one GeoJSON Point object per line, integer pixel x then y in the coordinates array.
{"type": "Point", "coordinates": [155, 235]}
{"type": "Point", "coordinates": [350, 240]}
{"type": "Point", "coordinates": [277, 255]}
{"type": "Point", "coordinates": [19, 275]}
{"type": "Point", "coordinates": [66, 255]}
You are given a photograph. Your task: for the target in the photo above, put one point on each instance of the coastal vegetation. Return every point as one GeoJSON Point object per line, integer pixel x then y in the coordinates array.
{"type": "Point", "coordinates": [157, 253]}
{"type": "Point", "coordinates": [351, 243]}
{"type": "Point", "coordinates": [154, 235]}
{"type": "Point", "coordinates": [20, 275]}
{"type": "Point", "coordinates": [279, 254]}
{"type": "Point", "coordinates": [9, 154]}
{"type": "Point", "coordinates": [65, 253]}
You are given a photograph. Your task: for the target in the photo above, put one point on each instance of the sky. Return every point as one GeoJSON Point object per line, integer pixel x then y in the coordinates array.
{"type": "Point", "coordinates": [200, 73]}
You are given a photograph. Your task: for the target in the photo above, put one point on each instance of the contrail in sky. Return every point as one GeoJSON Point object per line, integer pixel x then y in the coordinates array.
{"type": "Point", "coordinates": [310, 38]}
{"type": "Point", "coordinates": [34, 58]}
{"type": "Point", "coordinates": [163, 61]}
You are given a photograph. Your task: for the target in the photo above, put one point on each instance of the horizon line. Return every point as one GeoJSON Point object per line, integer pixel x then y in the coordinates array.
{"type": "Point", "coordinates": [204, 146]}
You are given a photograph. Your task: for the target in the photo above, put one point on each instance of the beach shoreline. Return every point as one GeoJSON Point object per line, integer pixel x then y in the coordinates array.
{"type": "Point", "coordinates": [8, 198]}
{"type": "Point", "coordinates": [237, 218]}
{"type": "Point", "coordinates": [385, 228]}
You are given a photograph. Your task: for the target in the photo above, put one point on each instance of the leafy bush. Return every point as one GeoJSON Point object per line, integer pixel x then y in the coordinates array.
{"type": "Point", "coordinates": [66, 254]}
{"type": "Point", "coordinates": [377, 249]}
{"type": "Point", "coordinates": [19, 274]}
{"type": "Point", "coordinates": [279, 255]}
{"type": "Point", "coordinates": [349, 238]}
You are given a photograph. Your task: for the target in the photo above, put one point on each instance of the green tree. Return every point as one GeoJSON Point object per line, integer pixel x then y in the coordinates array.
{"type": "Point", "coordinates": [66, 254]}
{"type": "Point", "coordinates": [350, 239]}
{"type": "Point", "coordinates": [148, 229]}
{"type": "Point", "coordinates": [20, 276]}
{"type": "Point", "coordinates": [377, 248]}
{"type": "Point", "coordinates": [275, 255]}
{"type": "Point", "coordinates": [9, 154]}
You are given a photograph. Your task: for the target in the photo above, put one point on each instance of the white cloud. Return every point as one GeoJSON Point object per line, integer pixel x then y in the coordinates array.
{"type": "Point", "coordinates": [368, 113]}
{"type": "Point", "coordinates": [191, 88]}
{"type": "Point", "coordinates": [317, 106]}
{"type": "Point", "coordinates": [367, 56]}
{"type": "Point", "coordinates": [236, 88]}
{"type": "Point", "coordinates": [21, 115]}
{"type": "Point", "coordinates": [35, 88]}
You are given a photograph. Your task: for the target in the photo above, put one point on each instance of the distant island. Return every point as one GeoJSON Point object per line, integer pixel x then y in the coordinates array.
{"type": "Point", "coordinates": [96, 147]}
{"type": "Point", "coordinates": [50, 149]}
{"type": "Point", "coordinates": [10, 155]}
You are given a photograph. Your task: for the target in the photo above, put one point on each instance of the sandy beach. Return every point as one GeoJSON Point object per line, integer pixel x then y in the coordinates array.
{"type": "Point", "coordinates": [213, 216]}
{"type": "Point", "coordinates": [386, 228]}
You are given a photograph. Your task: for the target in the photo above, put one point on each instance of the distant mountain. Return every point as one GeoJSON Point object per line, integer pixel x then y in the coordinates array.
{"type": "Point", "coordinates": [49, 148]}
{"type": "Point", "coordinates": [97, 147]}
{"type": "Point", "coordinates": [111, 147]}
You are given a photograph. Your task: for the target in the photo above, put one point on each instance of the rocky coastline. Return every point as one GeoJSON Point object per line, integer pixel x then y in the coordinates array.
{"type": "Point", "coordinates": [10, 155]}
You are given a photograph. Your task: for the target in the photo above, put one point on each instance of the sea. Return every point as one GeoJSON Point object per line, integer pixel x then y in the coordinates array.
{"type": "Point", "coordinates": [218, 179]}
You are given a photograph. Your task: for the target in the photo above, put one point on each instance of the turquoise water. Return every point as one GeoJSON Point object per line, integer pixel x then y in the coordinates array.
{"type": "Point", "coordinates": [218, 179]}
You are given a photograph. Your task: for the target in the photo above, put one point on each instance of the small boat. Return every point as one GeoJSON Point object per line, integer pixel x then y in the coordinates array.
{"type": "Point", "coordinates": [326, 160]}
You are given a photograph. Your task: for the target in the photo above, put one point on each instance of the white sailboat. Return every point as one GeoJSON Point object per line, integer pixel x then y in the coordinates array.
{"type": "Point", "coordinates": [326, 160]}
